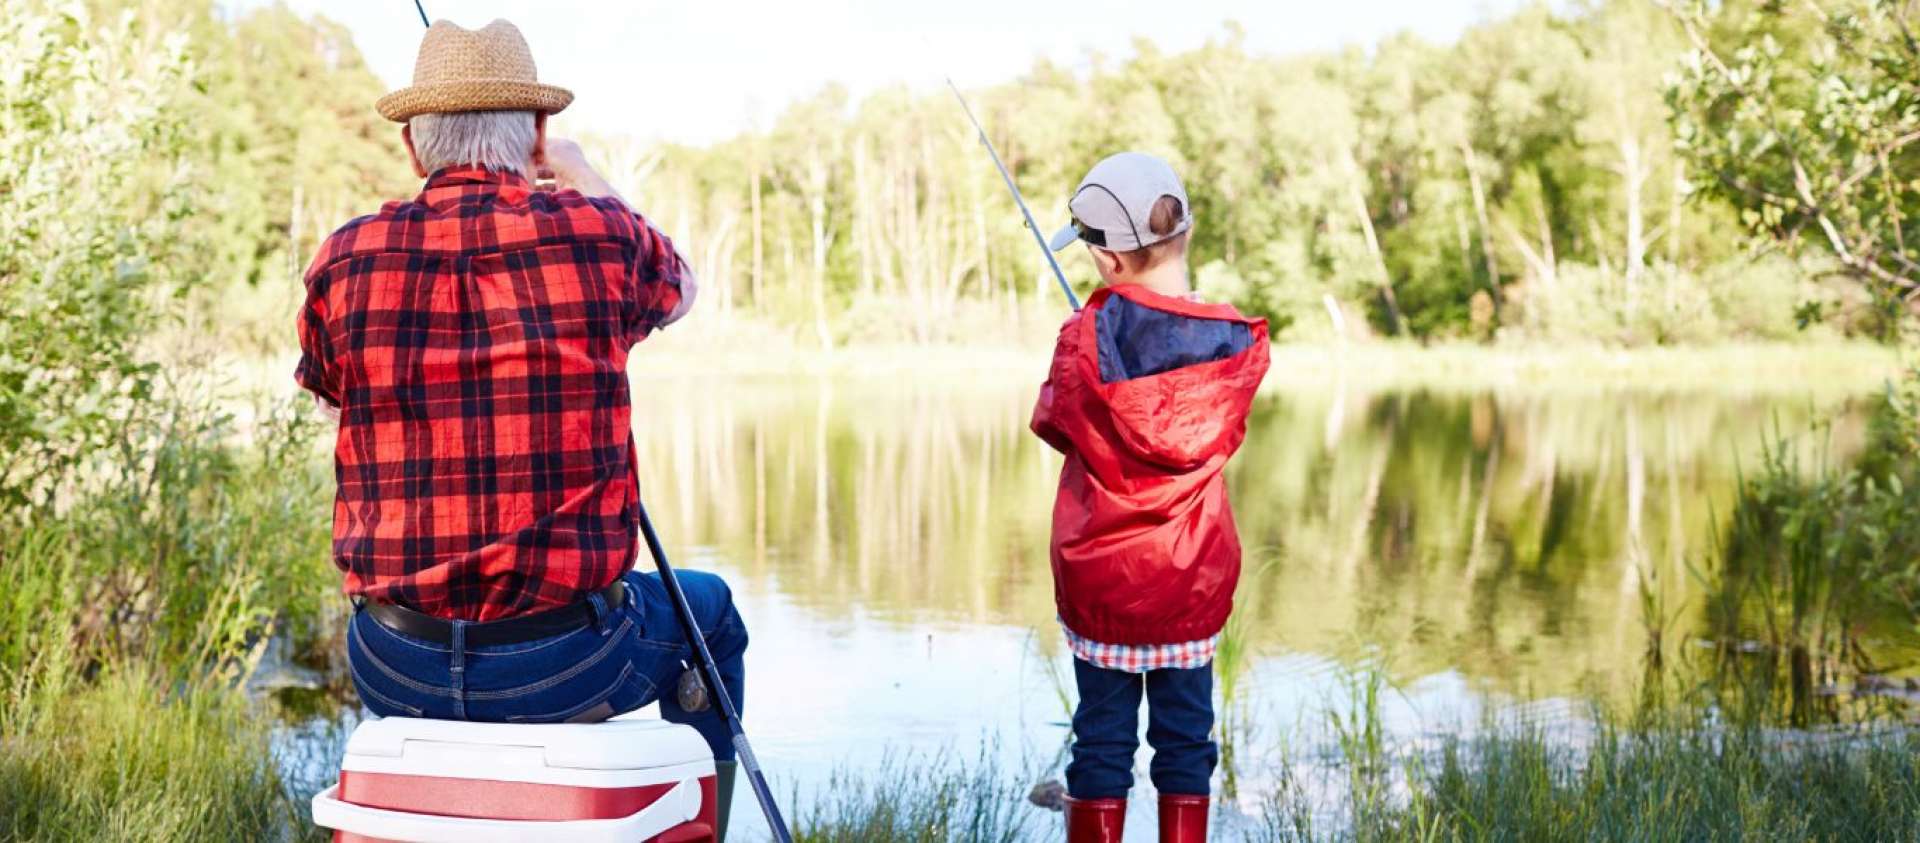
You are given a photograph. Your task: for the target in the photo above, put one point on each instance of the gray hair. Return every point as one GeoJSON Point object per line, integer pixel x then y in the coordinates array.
{"type": "Point", "coordinates": [497, 140]}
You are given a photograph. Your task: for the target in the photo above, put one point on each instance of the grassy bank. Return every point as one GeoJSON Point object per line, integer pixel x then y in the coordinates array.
{"type": "Point", "coordinates": [134, 611]}
{"type": "Point", "coordinates": [127, 755]}
{"type": "Point", "coordinates": [743, 348]}
{"type": "Point", "coordinates": [1818, 368]}
{"type": "Point", "coordinates": [1681, 781]}
{"type": "Point", "coordinates": [1687, 782]}
{"type": "Point", "coordinates": [1676, 777]}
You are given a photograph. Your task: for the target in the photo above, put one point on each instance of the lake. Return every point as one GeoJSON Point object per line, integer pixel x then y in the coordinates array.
{"type": "Point", "coordinates": [1485, 553]}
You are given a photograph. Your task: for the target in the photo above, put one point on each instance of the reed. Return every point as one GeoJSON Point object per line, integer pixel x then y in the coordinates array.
{"type": "Point", "coordinates": [134, 614]}
{"type": "Point", "coordinates": [1817, 560]}
{"type": "Point", "coordinates": [915, 800]}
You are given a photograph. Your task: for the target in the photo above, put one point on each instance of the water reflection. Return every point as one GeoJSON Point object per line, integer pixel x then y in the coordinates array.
{"type": "Point", "coordinates": [1488, 552]}
{"type": "Point", "coordinates": [1502, 535]}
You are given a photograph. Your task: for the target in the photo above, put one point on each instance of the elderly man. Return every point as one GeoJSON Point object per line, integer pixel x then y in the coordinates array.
{"type": "Point", "coordinates": [473, 343]}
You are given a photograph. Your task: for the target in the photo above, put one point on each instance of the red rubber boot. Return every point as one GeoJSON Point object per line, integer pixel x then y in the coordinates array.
{"type": "Point", "coordinates": [1183, 819]}
{"type": "Point", "coordinates": [1095, 820]}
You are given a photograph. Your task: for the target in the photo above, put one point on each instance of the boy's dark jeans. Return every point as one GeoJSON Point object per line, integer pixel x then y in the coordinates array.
{"type": "Point", "coordinates": [1106, 731]}
{"type": "Point", "coordinates": [634, 655]}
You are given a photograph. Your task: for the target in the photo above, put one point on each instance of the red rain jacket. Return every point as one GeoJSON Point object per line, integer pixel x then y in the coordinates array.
{"type": "Point", "coordinates": [1147, 397]}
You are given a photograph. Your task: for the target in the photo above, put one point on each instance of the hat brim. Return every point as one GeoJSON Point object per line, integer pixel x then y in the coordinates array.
{"type": "Point", "coordinates": [1063, 238]}
{"type": "Point", "coordinates": [473, 95]}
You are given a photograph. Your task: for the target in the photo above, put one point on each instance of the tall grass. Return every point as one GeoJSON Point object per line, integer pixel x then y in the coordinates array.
{"type": "Point", "coordinates": [134, 613]}
{"type": "Point", "coordinates": [906, 801]}
{"type": "Point", "coordinates": [1678, 774]}
{"type": "Point", "coordinates": [125, 755]}
{"type": "Point", "coordinates": [1818, 559]}
{"type": "Point", "coordinates": [1681, 781]}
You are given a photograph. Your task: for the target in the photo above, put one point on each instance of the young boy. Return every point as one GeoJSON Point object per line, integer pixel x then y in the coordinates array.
{"type": "Point", "coordinates": [1147, 397]}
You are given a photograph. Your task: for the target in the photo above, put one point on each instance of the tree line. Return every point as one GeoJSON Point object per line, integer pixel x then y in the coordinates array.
{"type": "Point", "coordinates": [1551, 175]}
{"type": "Point", "coordinates": [1618, 171]}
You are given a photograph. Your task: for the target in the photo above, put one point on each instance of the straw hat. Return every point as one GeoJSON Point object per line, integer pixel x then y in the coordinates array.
{"type": "Point", "coordinates": [486, 69]}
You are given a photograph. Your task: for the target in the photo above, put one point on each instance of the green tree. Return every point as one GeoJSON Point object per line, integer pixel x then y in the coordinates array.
{"type": "Point", "coordinates": [1805, 117]}
{"type": "Point", "coordinates": [95, 178]}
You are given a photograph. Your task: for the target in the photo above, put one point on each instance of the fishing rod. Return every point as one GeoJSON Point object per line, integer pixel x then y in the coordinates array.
{"type": "Point", "coordinates": [1017, 200]}
{"type": "Point", "coordinates": [703, 658]}
{"type": "Point", "coordinates": [710, 672]}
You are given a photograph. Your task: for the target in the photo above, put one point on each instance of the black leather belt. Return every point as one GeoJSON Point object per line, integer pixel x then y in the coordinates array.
{"type": "Point", "coordinates": [516, 630]}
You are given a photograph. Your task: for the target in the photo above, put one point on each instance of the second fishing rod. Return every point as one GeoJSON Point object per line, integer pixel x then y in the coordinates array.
{"type": "Point", "coordinates": [1038, 239]}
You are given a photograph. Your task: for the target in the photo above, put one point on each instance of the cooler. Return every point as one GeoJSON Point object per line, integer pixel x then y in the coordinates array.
{"type": "Point", "coordinates": [625, 779]}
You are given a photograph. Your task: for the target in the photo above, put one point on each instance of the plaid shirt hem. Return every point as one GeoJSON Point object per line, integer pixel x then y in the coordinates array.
{"type": "Point", "coordinates": [1140, 658]}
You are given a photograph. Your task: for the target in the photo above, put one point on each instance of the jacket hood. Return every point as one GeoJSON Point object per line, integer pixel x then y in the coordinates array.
{"type": "Point", "coordinates": [1172, 379]}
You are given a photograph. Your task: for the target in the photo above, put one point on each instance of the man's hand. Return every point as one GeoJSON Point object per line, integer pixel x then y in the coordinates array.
{"type": "Point", "coordinates": [327, 409]}
{"type": "Point", "coordinates": [567, 165]}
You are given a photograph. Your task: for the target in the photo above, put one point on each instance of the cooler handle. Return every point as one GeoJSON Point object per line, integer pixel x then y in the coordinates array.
{"type": "Point", "coordinates": [676, 806]}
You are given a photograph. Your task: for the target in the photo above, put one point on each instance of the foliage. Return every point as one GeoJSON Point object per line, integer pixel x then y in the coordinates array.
{"type": "Point", "coordinates": [148, 153]}
{"type": "Point", "coordinates": [1491, 187]}
{"type": "Point", "coordinates": [150, 542]}
{"type": "Point", "coordinates": [1814, 556]}
{"type": "Point", "coordinates": [94, 182]}
{"type": "Point", "coordinates": [1804, 117]}
{"type": "Point", "coordinates": [133, 620]}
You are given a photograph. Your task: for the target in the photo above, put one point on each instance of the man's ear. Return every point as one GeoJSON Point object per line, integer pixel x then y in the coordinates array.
{"type": "Point", "coordinates": [1111, 265]}
{"type": "Point", "coordinates": [406, 136]}
{"type": "Point", "coordinates": [539, 141]}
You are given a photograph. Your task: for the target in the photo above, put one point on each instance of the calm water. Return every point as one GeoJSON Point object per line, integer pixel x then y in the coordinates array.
{"type": "Point", "coordinates": [887, 543]}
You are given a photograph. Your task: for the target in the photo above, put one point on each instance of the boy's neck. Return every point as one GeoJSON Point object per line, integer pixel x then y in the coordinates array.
{"type": "Point", "coordinates": [1168, 279]}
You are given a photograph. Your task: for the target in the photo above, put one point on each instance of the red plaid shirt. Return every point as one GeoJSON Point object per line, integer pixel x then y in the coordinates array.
{"type": "Point", "coordinates": [475, 340]}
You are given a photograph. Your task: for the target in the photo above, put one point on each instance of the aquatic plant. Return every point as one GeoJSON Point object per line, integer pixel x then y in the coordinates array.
{"type": "Point", "coordinates": [1817, 558]}
{"type": "Point", "coordinates": [912, 799]}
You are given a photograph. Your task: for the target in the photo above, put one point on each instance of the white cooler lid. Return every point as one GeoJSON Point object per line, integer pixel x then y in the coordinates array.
{"type": "Point", "coordinates": [395, 744]}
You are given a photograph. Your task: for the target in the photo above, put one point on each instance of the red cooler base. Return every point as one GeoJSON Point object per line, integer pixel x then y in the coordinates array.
{"type": "Point", "coordinates": [426, 780]}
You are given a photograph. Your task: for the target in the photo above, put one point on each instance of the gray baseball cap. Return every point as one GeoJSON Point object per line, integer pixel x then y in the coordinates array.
{"type": "Point", "coordinates": [1111, 206]}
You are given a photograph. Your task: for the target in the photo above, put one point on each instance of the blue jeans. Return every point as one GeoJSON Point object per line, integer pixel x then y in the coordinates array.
{"type": "Point", "coordinates": [1106, 731]}
{"type": "Point", "coordinates": [632, 656]}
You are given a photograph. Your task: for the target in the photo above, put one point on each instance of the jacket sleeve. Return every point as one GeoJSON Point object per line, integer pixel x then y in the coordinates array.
{"type": "Point", "coordinates": [1047, 420]}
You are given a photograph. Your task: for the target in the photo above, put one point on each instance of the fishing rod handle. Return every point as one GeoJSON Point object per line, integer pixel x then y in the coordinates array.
{"type": "Point", "coordinates": [697, 640]}
{"type": "Point", "coordinates": [717, 690]}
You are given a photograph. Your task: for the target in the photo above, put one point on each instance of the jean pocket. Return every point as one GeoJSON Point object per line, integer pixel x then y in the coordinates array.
{"type": "Point", "coordinates": [364, 651]}
{"type": "Point", "coordinates": [628, 684]}
{"type": "Point", "coordinates": [621, 637]}
{"type": "Point", "coordinates": [380, 704]}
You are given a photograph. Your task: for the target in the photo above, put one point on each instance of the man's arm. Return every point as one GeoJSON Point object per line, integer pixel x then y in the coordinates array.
{"type": "Point", "coordinates": [315, 372]}
{"type": "Point", "coordinates": [567, 165]}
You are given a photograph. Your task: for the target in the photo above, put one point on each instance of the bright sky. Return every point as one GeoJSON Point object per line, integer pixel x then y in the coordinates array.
{"type": "Point", "coordinates": [697, 71]}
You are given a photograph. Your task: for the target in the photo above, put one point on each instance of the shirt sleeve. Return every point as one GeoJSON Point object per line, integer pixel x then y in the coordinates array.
{"type": "Point", "coordinates": [317, 371]}
{"type": "Point", "coordinates": [656, 279]}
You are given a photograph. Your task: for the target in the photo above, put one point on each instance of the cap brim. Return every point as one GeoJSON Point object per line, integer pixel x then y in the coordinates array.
{"type": "Point", "coordinates": [1064, 237]}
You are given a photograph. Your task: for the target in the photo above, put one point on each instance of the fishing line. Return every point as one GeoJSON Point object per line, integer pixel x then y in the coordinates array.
{"type": "Point", "coordinates": [1038, 238]}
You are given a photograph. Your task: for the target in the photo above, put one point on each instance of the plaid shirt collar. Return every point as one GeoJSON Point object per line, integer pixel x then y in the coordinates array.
{"type": "Point", "coordinates": [449, 185]}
